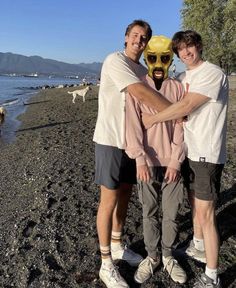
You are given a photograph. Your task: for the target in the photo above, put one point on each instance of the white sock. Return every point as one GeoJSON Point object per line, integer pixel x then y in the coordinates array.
{"type": "Point", "coordinates": [107, 262]}
{"type": "Point", "coordinates": [106, 256]}
{"type": "Point", "coordinates": [115, 246]}
{"type": "Point", "coordinates": [212, 273]}
{"type": "Point", "coordinates": [116, 235]}
{"type": "Point", "coordinates": [116, 243]}
{"type": "Point", "coordinates": [199, 244]}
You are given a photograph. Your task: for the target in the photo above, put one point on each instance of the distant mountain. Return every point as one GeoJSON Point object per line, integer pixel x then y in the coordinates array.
{"type": "Point", "coordinates": [19, 64]}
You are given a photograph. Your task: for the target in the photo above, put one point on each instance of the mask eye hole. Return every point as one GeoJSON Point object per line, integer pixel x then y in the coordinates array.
{"type": "Point", "coordinates": [151, 59]}
{"type": "Point", "coordinates": [165, 59]}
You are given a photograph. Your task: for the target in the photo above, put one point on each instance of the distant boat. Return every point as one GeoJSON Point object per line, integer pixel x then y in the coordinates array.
{"type": "Point", "coordinates": [72, 77]}
{"type": "Point", "coordinates": [31, 75]}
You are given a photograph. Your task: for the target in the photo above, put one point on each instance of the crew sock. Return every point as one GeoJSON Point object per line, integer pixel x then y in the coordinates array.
{"type": "Point", "coordinates": [106, 256]}
{"type": "Point", "coordinates": [199, 244]}
{"type": "Point", "coordinates": [116, 243]}
{"type": "Point", "coordinates": [212, 273]}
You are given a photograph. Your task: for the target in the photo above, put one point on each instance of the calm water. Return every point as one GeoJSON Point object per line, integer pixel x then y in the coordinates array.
{"type": "Point", "coordinates": [14, 92]}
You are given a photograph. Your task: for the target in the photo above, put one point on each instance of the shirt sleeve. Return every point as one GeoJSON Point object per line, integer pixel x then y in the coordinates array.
{"type": "Point", "coordinates": [121, 72]}
{"type": "Point", "coordinates": [208, 83]}
{"type": "Point", "coordinates": [177, 147]}
{"type": "Point", "coordinates": [134, 131]}
{"type": "Point", "coordinates": [177, 143]}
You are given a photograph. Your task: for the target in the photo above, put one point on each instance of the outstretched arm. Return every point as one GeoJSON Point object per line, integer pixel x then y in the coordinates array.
{"type": "Point", "coordinates": [134, 138]}
{"type": "Point", "coordinates": [177, 110]}
{"type": "Point", "coordinates": [148, 96]}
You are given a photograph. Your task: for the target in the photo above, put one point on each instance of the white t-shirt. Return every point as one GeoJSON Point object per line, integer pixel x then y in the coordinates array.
{"type": "Point", "coordinates": [205, 130]}
{"type": "Point", "coordinates": [118, 72]}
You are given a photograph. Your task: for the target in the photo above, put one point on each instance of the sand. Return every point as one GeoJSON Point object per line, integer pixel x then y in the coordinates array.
{"type": "Point", "coordinates": [48, 202]}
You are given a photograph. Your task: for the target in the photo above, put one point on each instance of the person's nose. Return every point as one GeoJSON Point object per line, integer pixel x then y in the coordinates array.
{"type": "Point", "coordinates": [139, 38]}
{"type": "Point", "coordinates": [186, 51]}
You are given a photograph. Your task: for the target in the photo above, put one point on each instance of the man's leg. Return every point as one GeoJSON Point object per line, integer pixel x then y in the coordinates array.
{"type": "Point", "coordinates": [108, 202]}
{"type": "Point", "coordinates": [118, 250]}
{"type": "Point", "coordinates": [172, 198]}
{"type": "Point", "coordinates": [108, 272]}
{"type": "Point", "coordinates": [196, 225]}
{"type": "Point", "coordinates": [148, 197]}
{"type": "Point", "coordinates": [205, 216]}
{"type": "Point", "coordinates": [119, 216]}
{"type": "Point", "coordinates": [206, 187]}
{"type": "Point", "coordinates": [197, 248]}
{"type": "Point", "coordinates": [120, 211]}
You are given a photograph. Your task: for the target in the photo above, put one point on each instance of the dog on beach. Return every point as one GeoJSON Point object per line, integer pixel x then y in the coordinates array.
{"type": "Point", "coordinates": [2, 115]}
{"type": "Point", "coordinates": [80, 92]}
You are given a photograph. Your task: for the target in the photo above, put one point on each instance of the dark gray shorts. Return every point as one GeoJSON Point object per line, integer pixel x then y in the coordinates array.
{"type": "Point", "coordinates": [202, 178]}
{"type": "Point", "coordinates": [113, 167]}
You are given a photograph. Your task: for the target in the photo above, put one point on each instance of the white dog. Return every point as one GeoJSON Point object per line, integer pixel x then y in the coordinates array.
{"type": "Point", "coordinates": [2, 115]}
{"type": "Point", "coordinates": [81, 92]}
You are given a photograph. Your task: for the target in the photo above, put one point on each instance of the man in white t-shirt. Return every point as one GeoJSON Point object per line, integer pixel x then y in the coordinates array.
{"type": "Point", "coordinates": [205, 104]}
{"type": "Point", "coordinates": [115, 172]}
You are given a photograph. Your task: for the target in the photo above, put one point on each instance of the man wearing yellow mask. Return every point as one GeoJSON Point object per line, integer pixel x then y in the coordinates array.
{"type": "Point", "coordinates": [159, 152]}
{"type": "Point", "coordinates": [205, 103]}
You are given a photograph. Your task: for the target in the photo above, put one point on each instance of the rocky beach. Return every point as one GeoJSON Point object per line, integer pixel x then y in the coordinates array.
{"type": "Point", "coordinates": [48, 201]}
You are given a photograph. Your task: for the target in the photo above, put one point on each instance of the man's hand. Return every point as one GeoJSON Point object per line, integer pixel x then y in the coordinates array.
{"type": "Point", "coordinates": [147, 120]}
{"type": "Point", "coordinates": [171, 175]}
{"type": "Point", "coordinates": [143, 173]}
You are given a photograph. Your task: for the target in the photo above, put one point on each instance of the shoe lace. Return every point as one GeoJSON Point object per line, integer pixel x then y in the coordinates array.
{"type": "Point", "coordinates": [115, 275]}
{"type": "Point", "coordinates": [201, 283]}
{"type": "Point", "coordinates": [171, 262]}
{"type": "Point", "coordinates": [146, 266]}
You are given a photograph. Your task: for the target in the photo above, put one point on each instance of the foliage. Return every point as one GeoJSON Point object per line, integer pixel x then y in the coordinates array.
{"type": "Point", "coordinates": [215, 20]}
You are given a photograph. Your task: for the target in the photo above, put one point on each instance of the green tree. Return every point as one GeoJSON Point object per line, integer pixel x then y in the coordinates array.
{"type": "Point", "coordinates": [229, 36]}
{"type": "Point", "coordinates": [215, 21]}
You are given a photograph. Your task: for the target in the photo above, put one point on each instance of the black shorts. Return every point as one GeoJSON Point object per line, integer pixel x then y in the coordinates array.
{"type": "Point", "coordinates": [202, 178]}
{"type": "Point", "coordinates": [113, 167]}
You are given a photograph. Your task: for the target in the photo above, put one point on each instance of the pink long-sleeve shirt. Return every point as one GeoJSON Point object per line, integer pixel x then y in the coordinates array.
{"type": "Point", "coordinates": [163, 143]}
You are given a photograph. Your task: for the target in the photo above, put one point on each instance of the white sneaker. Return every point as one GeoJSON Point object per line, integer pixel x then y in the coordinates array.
{"type": "Point", "coordinates": [145, 269]}
{"type": "Point", "coordinates": [111, 277]}
{"type": "Point", "coordinates": [175, 271]}
{"type": "Point", "coordinates": [198, 255]}
{"type": "Point", "coordinates": [206, 282]}
{"type": "Point", "coordinates": [127, 255]}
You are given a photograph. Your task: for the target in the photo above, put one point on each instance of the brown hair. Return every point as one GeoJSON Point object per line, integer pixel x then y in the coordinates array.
{"type": "Point", "coordinates": [140, 23]}
{"type": "Point", "coordinates": [189, 38]}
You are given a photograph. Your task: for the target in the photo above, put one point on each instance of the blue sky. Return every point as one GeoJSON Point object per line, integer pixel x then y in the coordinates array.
{"type": "Point", "coordinates": [76, 31]}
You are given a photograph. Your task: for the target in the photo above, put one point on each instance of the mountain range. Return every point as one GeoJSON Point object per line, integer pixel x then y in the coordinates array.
{"type": "Point", "coordinates": [24, 65]}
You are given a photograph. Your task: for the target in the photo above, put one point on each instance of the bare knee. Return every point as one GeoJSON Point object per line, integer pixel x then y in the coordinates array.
{"type": "Point", "coordinates": [108, 199]}
{"type": "Point", "coordinates": [205, 212]}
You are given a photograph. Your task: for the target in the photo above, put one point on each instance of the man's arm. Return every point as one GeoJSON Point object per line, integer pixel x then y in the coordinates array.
{"type": "Point", "coordinates": [177, 153]}
{"type": "Point", "coordinates": [177, 110]}
{"type": "Point", "coordinates": [134, 138]}
{"type": "Point", "coordinates": [122, 75]}
{"type": "Point", "coordinates": [148, 96]}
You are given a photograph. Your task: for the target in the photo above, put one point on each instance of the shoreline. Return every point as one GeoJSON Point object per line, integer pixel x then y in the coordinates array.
{"type": "Point", "coordinates": [48, 201]}
{"type": "Point", "coordinates": [12, 122]}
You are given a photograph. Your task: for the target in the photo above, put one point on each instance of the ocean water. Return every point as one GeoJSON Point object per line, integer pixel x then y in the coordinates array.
{"type": "Point", "coordinates": [15, 92]}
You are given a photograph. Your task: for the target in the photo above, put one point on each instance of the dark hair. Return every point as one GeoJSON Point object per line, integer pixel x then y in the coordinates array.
{"type": "Point", "coordinates": [189, 38]}
{"type": "Point", "coordinates": [140, 23]}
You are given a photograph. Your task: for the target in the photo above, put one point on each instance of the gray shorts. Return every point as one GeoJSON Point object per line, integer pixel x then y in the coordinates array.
{"type": "Point", "coordinates": [113, 167]}
{"type": "Point", "coordinates": [202, 178]}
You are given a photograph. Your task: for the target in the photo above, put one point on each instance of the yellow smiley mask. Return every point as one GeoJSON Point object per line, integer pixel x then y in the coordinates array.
{"type": "Point", "coordinates": [158, 56]}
